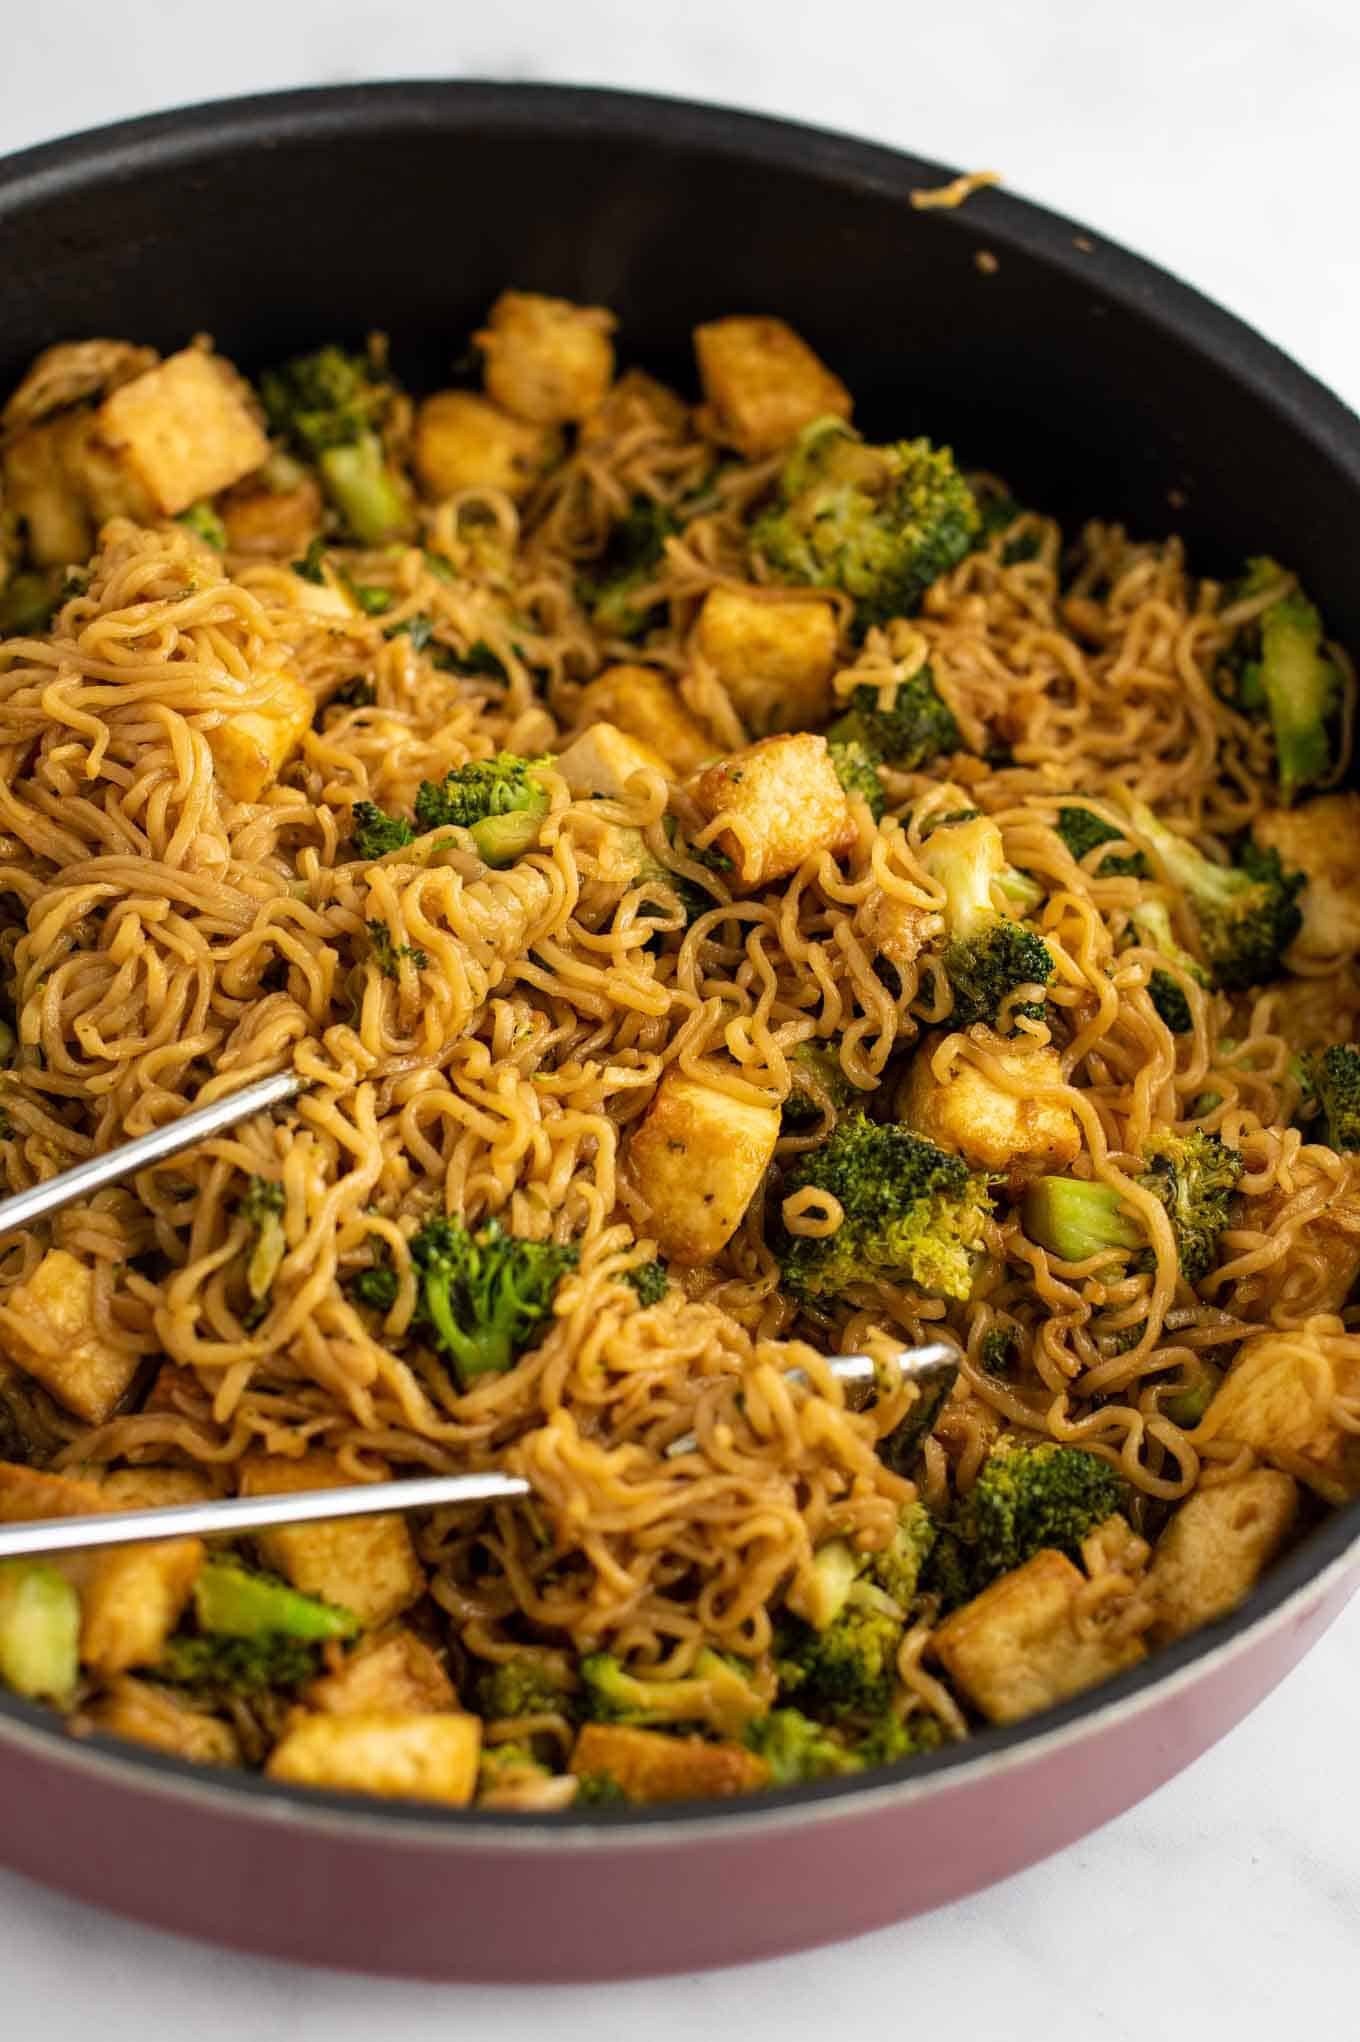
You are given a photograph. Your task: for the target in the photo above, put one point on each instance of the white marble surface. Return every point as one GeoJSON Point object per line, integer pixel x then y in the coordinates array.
{"type": "Point", "coordinates": [1221, 141]}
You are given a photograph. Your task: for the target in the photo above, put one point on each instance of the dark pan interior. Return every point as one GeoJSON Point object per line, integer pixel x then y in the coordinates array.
{"type": "Point", "coordinates": [1096, 384]}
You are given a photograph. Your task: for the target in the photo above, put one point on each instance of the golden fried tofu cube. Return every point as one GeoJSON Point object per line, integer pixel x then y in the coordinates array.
{"type": "Point", "coordinates": [650, 1766]}
{"type": "Point", "coordinates": [603, 759]}
{"type": "Point", "coordinates": [132, 1600]}
{"type": "Point", "coordinates": [1018, 1133]}
{"type": "Point", "coordinates": [407, 1758]}
{"type": "Point", "coordinates": [183, 430]}
{"type": "Point", "coordinates": [1014, 1648]}
{"type": "Point", "coordinates": [546, 360]}
{"type": "Point", "coordinates": [152, 1488]}
{"type": "Point", "coordinates": [250, 750]}
{"type": "Point", "coordinates": [1321, 839]}
{"type": "Point", "coordinates": [636, 402]}
{"type": "Point", "coordinates": [153, 1715]}
{"type": "Point", "coordinates": [463, 441]}
{"type": "Point", "coordinates": [697, 1158]}
{"type": "Point", "coordinates": [1216, 1547]}
{"type": "Point", "coordinates": [643, 704]}
{"type": "Point", "coordinates": [28, 1493]}
{"type": "Point", "coordinates": [1279, 1398]}
{"type": "Point", "coordinates": [52, 1336]}
{"type": "Point", "coordinates": [366, 1564]}
{"type": "Point", "coordinates": [272, 523]}
{"type": "Point", "coordinates": [40, 489]}
{"type": "Point", "coordinates": [763, 383]}
{"type": "Point", "coordinates": [775, 659]}
{"type": "Point", "coordinates": [781, 802]}
{"type": "Point", "coordinates": [396, 1675]}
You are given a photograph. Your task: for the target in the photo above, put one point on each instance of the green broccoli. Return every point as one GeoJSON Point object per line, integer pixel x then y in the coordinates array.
{"type": "Point", "coordinates": [796, 1748]}
{"type": "Point", "coordinates": [634, 556]}
{"type": "Point", "coordinates": [1075, 1218]}
{"type": "Point", "coordinates": [649, 1280]}
{"type": "Point", "coordinates": [917, 728]}
{"type": "Point", "coordinates": [1152, 925]}
{"type": "Point", "coordinates": [599, 1790]}
{"type": "Point", "coordinates": [881, 523]}
{"type": "Point", "coordinates": [484, 1297]}
{"type": "Point", "coordinates": [261, 1206]}
{"type": "Point", "coordinates": [999, 1351]}
{"type": "Point", "coordinates": [987, 957]}
{"type": "Point", "coordinates": [1286, 672]}
{"type": "Point", "coordinates": [522, 1686]}
{"type": "Point", "coordinates": [857, 770]}
{"type": "Point", "coordinates": [1194, 1176]}
{"type": "Point", "coordinates": [232, 1600]}
{"type": "Point", "coordinates": [819, 1080]}
{"type": "Point", "coordinates": [849, 1667]}
{"type": "Point", "coordinates": [29, 602]}
{"type": "Point", "coordinates": [1027, 1499]}
{"type": "Point", "coordinates": [39, 1631]}
{"type": "Point", "coordinates": [1335, 1077]}
{"type": "Point", "coordinates": [910, 1212]}
{"type": "Point", "coordinates": [375, 833]}
{"type": "Point", "coordinates": [897, 1568]}
{"type": "Point", "coordinates": [717, 1692]}
{"type": "Point", "coordinates": [498, 800]}
{"type": "Point", "coordinates": [1082, 830]}
{"type": "Point", "coordinates": [1187, 1405]}
{"type": "Point", "coordinates": [389, 956]}
{"type": "Point", "coordinates": [331, 406]}
{"type": "Point", "coordinates": [202, 520]}
{"type": "Point", "coordinates": [238, 1666]}
{"type": "Point", "coordinates": [1247, 913]}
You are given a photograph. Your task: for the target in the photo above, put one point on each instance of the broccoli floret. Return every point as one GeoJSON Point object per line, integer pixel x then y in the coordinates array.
{"type": "Point", "coordinates": [849, 1667]}
{"type": "Point", "coordinates": [987, 956]}
{"type": "Point", "coordinates": [649, 1280]}
{"type": "Point", "coordinates": [520, 1687]}
{"type": "Point", "coordinates": [1075, 1218]}
{"type": "Point", "coordinates": [999, 1351]}
{"type": "Point", "coordinates": [818, 1077]}
{"type": "Point", "coordinates": [913, 731]}
{"type": "Point", "coordinates": [1152, 923]}
{"type": "Point", "coordinates": [897, 1569]}
{"type": "Point", "coordinates": [29, 601]}
{"type": "Point", "coordinates": [375, 833]}
{"type": "Point", "coordinates": [1247, 913]}
{"type": "Point", "coordinates": [631, 561]}
{"type": "Point", "coordinates": [599, 1790]}
{"type": "Point", "coordinates": [1286, 672]}
{"type": "Point", "coordinates": [1333, 1075]}
{"type": "Point", "coordinates": [857, 770]}
{"type": "Point", "coordinates": [253, 1632]}
{"type": "Point", "coordinates": [890, 1740]}
{"type": "Point", "coordinates": [1082, 830]}
{"type": "Point", "coordinates": [1194, 1176]}
{"type": "Point", "coordinates": [238, 1666]}
{"type": "Point", "coordinates": [717, 1693]}
{"type": "Point", "coordinates": [389, 956]}
{"type": "Point", "coordinates": [881, 523]}
{"type": "Point", "coordinates": [910, 1212]}
{"type": "Point", "coordinates": [331, 406]}
{"type": "Point", "coordinates": [796, 1748]}
{"type": "Point", "coordinates": [499, 800]}
{"type": "Point", "coordinates": [1185, 1407]}
{"type": "Point", "coordinates": [1027, 1499]}
{"type": "Point", "coordinates": [261, 1206]}
{"type": "Point", "coordinates": [202, 520]}
{"type": "Point", "coordinates": [484, 1297]}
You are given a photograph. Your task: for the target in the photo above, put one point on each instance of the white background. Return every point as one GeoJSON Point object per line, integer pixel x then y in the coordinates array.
{"type": "Point", "coordinates": [1219, 139]}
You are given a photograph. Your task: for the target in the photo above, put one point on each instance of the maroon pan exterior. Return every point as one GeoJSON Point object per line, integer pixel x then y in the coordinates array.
{"type": "Point", "coordinates": [1097, 385]}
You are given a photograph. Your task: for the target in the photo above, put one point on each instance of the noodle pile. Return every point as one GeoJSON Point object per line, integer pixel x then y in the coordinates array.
{"type": "Point", "coordinates": [164, 944]}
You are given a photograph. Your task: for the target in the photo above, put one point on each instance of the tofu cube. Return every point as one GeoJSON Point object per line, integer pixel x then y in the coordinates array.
{"type": "Point", "coordinates": [1216, 1547]}
{"type": "Point", "coordinates": [50, 1332]}
{"type": "Point", "coordinates": [1279, 1398]}
{"type": "Point", "coordinates": [153, 1715]}
{"type": "Point", "coordinates": [1014, 1648]}
{"type": "Point", "coordinates": [273, 523]}
{"type": "Point", "coordinates": [652, 1767]}
{"type": "Point", "coordinates": [28, 1493]}
{"type": "Point", "coordinates": [1018, 1133]}
{"type": "Point", "coordinates": [133, 1596]}
{"type": "Point", "coordinates": [407, 1758]}
{"type": "Point", "coordinates": [396, 1675]}
{"type": "Point", "coordinates": [603, 759]}
{"type": "Point", "coordinates": [643, 704]}
{"type": "Point", "coordinates": [775, 658]}
{"type": "Point", "coordinates": [250, 750]}
{"type": "Point", "coordinates": [463, 441]}
{"type": "Point", "coordinates": [546, 360]}
{"type": "Point", "coordinates": [898, 929]}
{"type": "Point", "coordinates": [697, 1159]}
{"type": "Point", "coordinates": [636, 404]}
{"type": "Point", "coordinates": [1321, 839]}
{"type": "Point", "coordinates": [763, 383]}
{"type": "Point", "coordinates": [366, 1564]}
{"type": "Point", "coordinates": [781, 802]}
{"type": "Point", "coordinates": [41, 490]}
{"type": "Point", "coordinates": [183, 430]}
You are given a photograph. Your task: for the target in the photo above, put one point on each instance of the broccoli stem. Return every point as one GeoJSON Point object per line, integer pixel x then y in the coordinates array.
{"type": "Point", "coordinates": [1075, 1219]}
